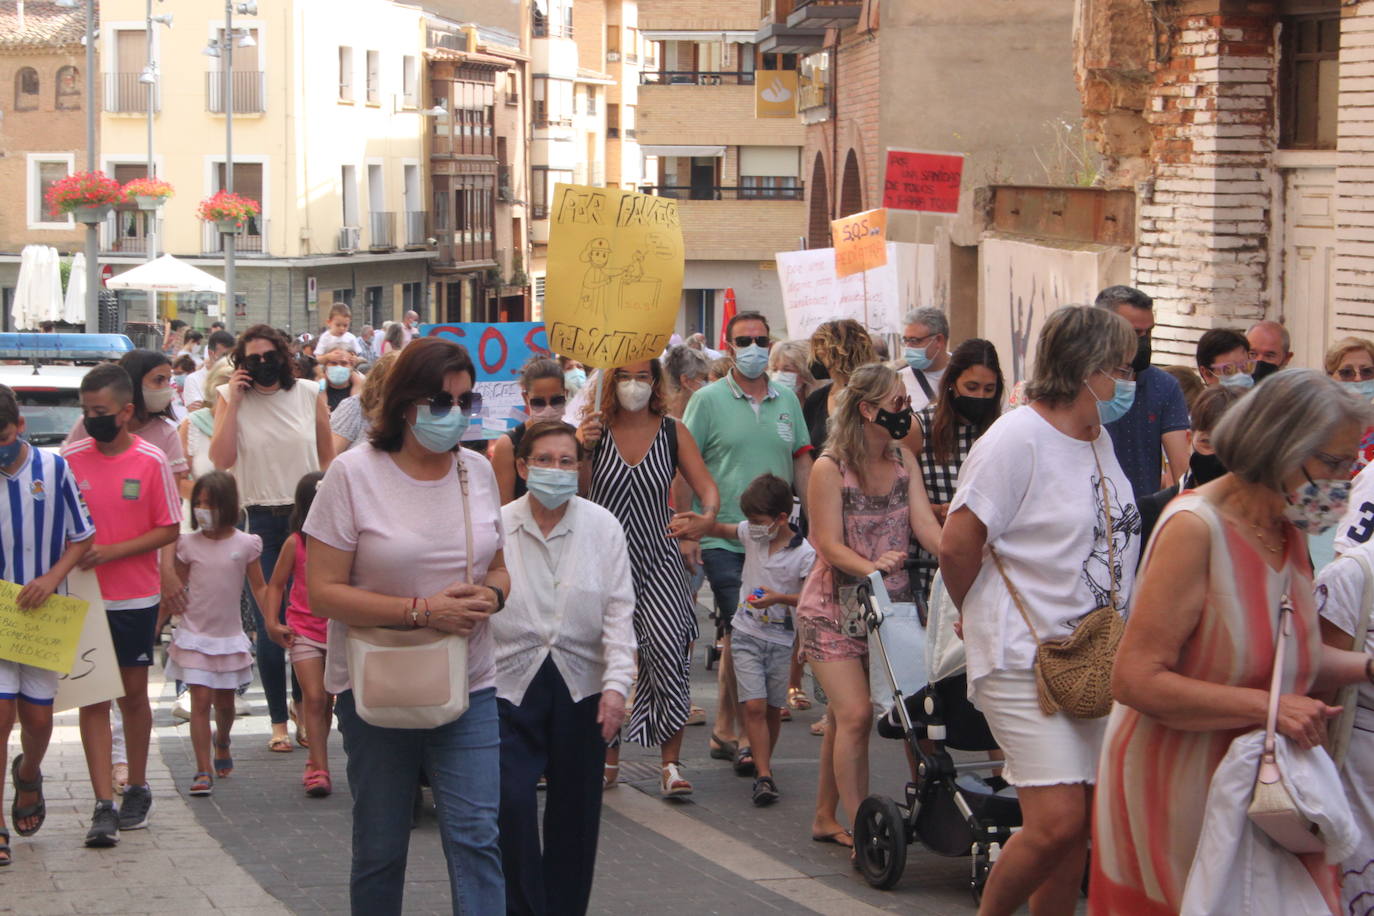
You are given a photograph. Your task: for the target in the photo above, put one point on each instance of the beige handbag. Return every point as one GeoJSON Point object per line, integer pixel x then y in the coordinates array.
{"type": "Point", "coordinates": [1073, 675]}
{"type": "Point", "coordinates": [412, 678]}
{"type": "Point", "coordinates": [1338, 735]}
{"type": "Point", "coordinates": [1272, 808]}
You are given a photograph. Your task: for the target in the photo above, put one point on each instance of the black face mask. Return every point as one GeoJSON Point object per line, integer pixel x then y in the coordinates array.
{"type": "Point", "coordinates": [1142, 354]}
{"type": "Point", "coordinates": [1263, 370]}
{"type": "Point", "coordinates": [897, 423]}
{"type": "Point", "coordinates": [818, 370]}
{"type": "Point", "coordinates": [974, 410]}
{"type": "Point", "coordinates": [102, 429]}
{"type": "Point", "coordinates": [1204, 468]}
{"type": "Point", "coordinates": [264, 370]}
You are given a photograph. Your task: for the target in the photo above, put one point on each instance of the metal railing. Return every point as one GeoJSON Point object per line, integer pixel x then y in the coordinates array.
{"type": "Point", "coordinates": [703, 192]}
{"type": "Point", "coordinates": [124, 94]}
{"type": "Point", "coordinates": [415, 228]}
{"type": "Point", "coordinates": [694, 78]}
{"type": "Point", "coordinates": [381, 229]}
{"type": "Point", "coordinates": [547, 28]}
{"type": "Point", "coordinates": [250, 91]}
{"type": "Point", "coordinates": [125, 232]}
{"type": "Point", "coordinates": [464, 246]}
{"type": "Point", "coordinates": [252, 238]}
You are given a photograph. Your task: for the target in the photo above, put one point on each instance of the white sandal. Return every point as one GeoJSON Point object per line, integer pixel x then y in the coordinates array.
{"type": "Point", "coordinates": [673, 784]}
{"type": "Point", "coordinates": [610, 778]}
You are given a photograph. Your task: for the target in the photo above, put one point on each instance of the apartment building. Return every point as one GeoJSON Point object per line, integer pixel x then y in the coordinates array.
{"type": "Point", "coordinates": [737, 178]}
{"type": "Point", "coordinates": [42, 129]}
{"type": "Point", "coordinates": [329, 122]}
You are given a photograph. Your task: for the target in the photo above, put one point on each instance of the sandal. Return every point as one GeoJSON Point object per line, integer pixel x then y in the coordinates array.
{"type": "Point", "coordinates": [38, 809]}
{"type": "Point", "coordinates": [280, 744]}
{"type": "Point", "coordinates": [797, 698]}
{"type": "Point", "coordinates": [744, 762]}
{"type": "Point", "coordinates": [302, 738]}
{"type": "Point", "coordinates": [818, 728]}
{"type": "Point", "coordinates": [223, 765]}
{"type": "Point", "coordinates": [840, 837]}
{"type": "Point", "coordinates": [722, 749]}
{"type": "Point", "coordinates": [119, 776]}
{"type": "Point", "coordinates": [785, 715]}
{"type": "Point", "coordinates": [202, 784]}
{"type": "Point", "coordinates": [316, 781]}
{"type": "Point", "coordinates": [6, 856]}
{"type": "Point", "coordinates": [611, 776]}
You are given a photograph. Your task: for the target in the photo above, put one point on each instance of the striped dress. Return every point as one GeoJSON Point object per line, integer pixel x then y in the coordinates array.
{"type": "Point", "coordinates": [1153, 780]}
{"type": "Point", "coordinates": [664, 620]}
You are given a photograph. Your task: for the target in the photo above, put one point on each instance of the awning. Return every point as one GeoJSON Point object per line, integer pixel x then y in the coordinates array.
{"type": "Point", "coordinates": [167, 275]}
{"type": "Point", "coordinates": [714, 152]}
{"type": "Point", "coordinates": [729, 37]}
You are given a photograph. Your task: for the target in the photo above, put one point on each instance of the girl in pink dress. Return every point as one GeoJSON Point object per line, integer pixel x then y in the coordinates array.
{"type": "Point", "coordinates": [303, 636]}
{"type": "Point", "coordinates": [209, 650]}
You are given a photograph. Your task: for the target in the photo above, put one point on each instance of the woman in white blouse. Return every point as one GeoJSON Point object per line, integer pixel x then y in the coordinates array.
{"type": "Point", "coordinates": [565, 649]}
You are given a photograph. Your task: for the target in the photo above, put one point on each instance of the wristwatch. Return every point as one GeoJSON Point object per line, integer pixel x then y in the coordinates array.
{"type": "Point", "coordinates": [500, 597]}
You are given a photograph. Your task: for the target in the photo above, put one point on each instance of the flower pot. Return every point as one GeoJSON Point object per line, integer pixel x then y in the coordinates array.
{"type": "Point", "coordinates": [92, 214]}
{"type": "Point", "coordinates": [228, 226]}
{"type": "Point", "coordinates": [149, 202]}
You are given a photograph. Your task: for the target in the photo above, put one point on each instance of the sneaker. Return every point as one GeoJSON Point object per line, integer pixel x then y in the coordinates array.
{"type": "Point", "coordinates": [181, 709]}
{"type": "Point", "coordinates": [673, 784]}
{"type": "Point", "coordinates": [765, 791]}
{"type": "Point", "coordinates": [137, 809]}
{"type": "Point", "coordinates": [241, 707]}
{"type": "Point", "coordinates": [104, 826]}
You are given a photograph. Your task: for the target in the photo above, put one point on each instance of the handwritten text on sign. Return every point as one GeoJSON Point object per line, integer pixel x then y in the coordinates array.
{"type": "Point", "coordinates": [615, 275]}
{"type": "Point", "coordinates": [860, 242]}
{"type": "Point", "coordinates": [45, 637]}
{"type": "Point", "coordinates": [499, 351]}
{"type": "Point", "coordinates": [928, 182]}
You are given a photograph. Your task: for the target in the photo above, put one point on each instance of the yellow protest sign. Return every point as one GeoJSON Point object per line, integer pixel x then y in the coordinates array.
{"type": "Point", "coordinates": [615, 275]}
{"type": "Point", "coordinates": [860, 242]}
{"type": "Point", "coordinates": [45, 637]}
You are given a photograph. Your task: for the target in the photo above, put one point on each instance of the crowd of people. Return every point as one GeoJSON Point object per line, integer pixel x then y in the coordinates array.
{"type": "Point", "coordinates": [1125, 546]}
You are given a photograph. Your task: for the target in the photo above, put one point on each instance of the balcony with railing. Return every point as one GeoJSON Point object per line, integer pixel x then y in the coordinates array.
{"type": "Point", "coordinates": [466, 247]}
{"type": "Point", "coordinates": [124, 232]}
{"type": "Point", "coordinates": [249, 87]}
{"type": "Point", "coordinates": [251, 239]}
{"type": "Point", "coordinates": [415, 229]}
{"type": "Point", "coordinates": [696, 114]}
{"type": "Point", "coordinates": [824, 14]}
{"type": "Point", "coordinates": [548, 28]}
{"type": "Point", "coordinates": [695, 78]}
{"type": "Point", "coordinates": [711, 192]}
{"type": "Point", "coordinates": [124, 94]}
{"type": "Point", "coordinates": [381, 231]}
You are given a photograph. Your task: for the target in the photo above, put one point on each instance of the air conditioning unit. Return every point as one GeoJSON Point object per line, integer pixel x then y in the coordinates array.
{"type": "Point", "coordinates": [349, 238]}
{"type": "Point", "coordinates": [612, 56]}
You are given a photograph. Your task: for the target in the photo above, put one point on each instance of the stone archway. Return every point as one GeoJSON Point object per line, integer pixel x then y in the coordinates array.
{"type": "Point", "coordinates": [818, 213]}
{"type": "Point", "coordinates": [851, 187]}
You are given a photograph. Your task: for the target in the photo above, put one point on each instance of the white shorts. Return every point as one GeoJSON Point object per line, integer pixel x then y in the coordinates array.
{"type": "Point", "coordinates": [1041, 750]}
{"type": "Point", "coordinates": [25, 682]}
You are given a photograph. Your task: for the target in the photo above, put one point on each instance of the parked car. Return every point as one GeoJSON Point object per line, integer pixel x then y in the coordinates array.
{"type": "Point", "coordinates": [45, 371]}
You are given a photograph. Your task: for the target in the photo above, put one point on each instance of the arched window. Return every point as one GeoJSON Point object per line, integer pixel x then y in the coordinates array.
{"type": "Point", "coordinates": [818, 223]}
{"type": "Point", "coordinates": [851, 190]}
{"type": "Point", "coordinates": [68, 88]}
{"type": "Point", "coordinates": [26, 89]}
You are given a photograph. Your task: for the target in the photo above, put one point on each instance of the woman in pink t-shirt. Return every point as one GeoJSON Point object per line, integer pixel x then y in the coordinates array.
{"type": "Point", "coordinates": [304, 637]}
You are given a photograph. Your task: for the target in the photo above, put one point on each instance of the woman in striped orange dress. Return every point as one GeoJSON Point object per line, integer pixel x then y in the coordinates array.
{"type": "Point", "coordinates": [1193, 669]}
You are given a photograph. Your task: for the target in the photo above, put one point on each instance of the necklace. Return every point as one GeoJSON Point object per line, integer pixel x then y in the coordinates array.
{"type": "Point", "coordinates": [1259, 533]}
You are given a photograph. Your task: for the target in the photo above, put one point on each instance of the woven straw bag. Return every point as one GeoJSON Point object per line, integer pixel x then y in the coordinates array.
{"type": "Point", "coordinates": [1073, 675]}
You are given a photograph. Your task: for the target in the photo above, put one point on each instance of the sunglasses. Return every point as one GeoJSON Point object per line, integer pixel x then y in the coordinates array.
{"type": "Point", "coordinates": [469, 402]}
{"type": "Point", "coordinates": [761, 341]}
{"type": "Point", "coordinates": [1350, 373]}
{"type": "Point", "coordinates": [1229, 369]}
{"type": "Point", "coordinates": [557, 400]}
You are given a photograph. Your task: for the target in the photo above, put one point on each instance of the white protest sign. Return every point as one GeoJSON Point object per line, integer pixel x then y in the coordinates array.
{"type": "Point", "coordinates": [95, 675]}
{"type": "Point", "coordinates": [877, 298]}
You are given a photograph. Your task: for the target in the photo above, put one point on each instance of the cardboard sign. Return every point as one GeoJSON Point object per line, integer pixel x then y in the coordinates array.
{"type": "Point", "coordinates": [499, 351]}
{"type": "Point", "coordinates": [94, 676]}
{"type": "Point", "coordinates": [860, 242]}
{"type": "Point", "coordinates": [614, 283]}
{"type": "Point", "coordinates": [812, 293]}
{"type": "Point", "coordinates": [928, 182]}
{"type": "Point", "coordinates": [46, 636]}
{"type": "Point", "coordinates": [775, 93]}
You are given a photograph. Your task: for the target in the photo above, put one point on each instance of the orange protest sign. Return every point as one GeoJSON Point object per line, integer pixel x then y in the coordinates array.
{"type": "Point", "coordinates": [860, 242]}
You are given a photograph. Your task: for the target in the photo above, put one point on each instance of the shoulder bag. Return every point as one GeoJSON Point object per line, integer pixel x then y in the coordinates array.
{"type": "Point", "coordinates": [412, 678]}
{"type": "Point", "coordinates": [1272, 808]}
{"type": "Point", "coordinates": [1073, 674]}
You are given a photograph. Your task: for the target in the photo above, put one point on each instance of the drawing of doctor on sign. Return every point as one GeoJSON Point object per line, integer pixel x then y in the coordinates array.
{"type": "Point", "coordinates": [596, 282]}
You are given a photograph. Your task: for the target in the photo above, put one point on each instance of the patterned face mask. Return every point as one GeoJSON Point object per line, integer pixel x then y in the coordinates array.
{"type": "Point", "coordinates": [1318, 504]}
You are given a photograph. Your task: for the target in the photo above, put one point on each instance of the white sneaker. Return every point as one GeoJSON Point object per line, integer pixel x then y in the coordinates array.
{"type": "Point", "coordinates": [241, 707]}
{"type": "Point", "coordinates": [673, 784]}
{"type": "Point", "coordinates": [181, 710]}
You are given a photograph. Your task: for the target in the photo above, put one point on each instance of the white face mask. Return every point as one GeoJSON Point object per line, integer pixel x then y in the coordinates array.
{"type": "Point", "coordinates": [762, 532]}
{"type": "Point", "coordinates": [205, 518]}
{"type": "Point", "coordinates": [787, 380]}
{"type": "Point", "coordinates": [633, 394]}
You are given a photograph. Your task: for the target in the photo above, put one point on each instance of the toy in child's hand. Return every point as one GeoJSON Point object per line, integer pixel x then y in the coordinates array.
{"type": "Point", "coordinates": [755, 595]}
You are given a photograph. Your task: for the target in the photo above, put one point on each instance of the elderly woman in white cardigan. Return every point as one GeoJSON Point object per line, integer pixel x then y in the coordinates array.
{"type": "Point", "coordinates": [565, 649]}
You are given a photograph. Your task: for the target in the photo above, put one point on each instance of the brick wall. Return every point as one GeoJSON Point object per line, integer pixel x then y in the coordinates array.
{"type": "Point", "coordinates": [1203, 236]}
{"type": "Point", "coordinates": [706, 15]}
{"type": "Point", "coordinates": [1354, 293]}
{"type": "Point", "coordinates": [740, 230]}
{"type": "Point", "coordinates": [858, 97]}
{"type": "Point", "coordinates": [709, 116]}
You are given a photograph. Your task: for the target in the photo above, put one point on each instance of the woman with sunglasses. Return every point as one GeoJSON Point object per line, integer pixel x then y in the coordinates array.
{"type": "Point", "coordinates": [637, 449]}
{"type": "Point", "coordinates": [545, 394]}
{"type": "Point", "coordinates": [387, 547]}
{"type": "Point", "coordinates": [270, 432]}
{"type": "Point", "coordinates": [1350, 361]}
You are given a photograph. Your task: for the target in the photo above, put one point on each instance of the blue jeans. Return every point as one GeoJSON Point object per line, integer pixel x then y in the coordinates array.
{"type": "Point", "coordinates": [724, 568]}
{"type": "Point", "coordinates": [463, 760]}
{"type": "Point", "coordinates": [274, 529]}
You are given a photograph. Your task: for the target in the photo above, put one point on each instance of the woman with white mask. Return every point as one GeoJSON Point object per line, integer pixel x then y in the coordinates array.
{"type": "Point", "coordinates": [636, 449]}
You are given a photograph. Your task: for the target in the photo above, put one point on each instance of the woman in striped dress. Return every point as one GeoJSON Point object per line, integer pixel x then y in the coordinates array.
{"type": "Point", "coordinates": [1192, 672]}
{"type": "Point", "coordinates": [968, 401]}
{"type": "Point", "coordinates": [636, 451]}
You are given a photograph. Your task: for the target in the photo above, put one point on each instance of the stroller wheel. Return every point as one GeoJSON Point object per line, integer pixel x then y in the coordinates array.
{"type": "Point", "coordinates": [880, 837]}
{"type": "Point", "coordinates": [982, 865]}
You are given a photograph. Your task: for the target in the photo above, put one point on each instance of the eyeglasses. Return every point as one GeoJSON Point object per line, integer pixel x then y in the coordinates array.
{"type": "Point", "coordinates": [900, 403]}
{"type": "Point", "coordinates": [1125, 373]}
{"type": "Point", "coordinates": [565, 462]}
{"type": "Point", "coordinates": [557, 400]}
{"type": "Point", "coordinates": [1351, 374]}
{"type": "Point", "coordinates": [1339, 467]}
{"type": "Point", "coordinates": [918, 341]}
{"type": "Point", "coordinates": [469, 402]}
{"type": "Point", "coordinates": [646, 377]}
{"type": "Point", "coordinates": [1227, 369]}
{"type": "Point", "coordinates": [761, 341]}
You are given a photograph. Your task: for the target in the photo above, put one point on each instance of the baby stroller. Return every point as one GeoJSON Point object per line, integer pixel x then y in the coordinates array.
{"type": "Point", "coordinates": [949, 808]}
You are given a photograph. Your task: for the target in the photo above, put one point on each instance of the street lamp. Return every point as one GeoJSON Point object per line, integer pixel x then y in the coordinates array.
{"type": "Point", "coordinates": [92, 233]}
{"type": "Point", "coordinates": [224, 50]}
{"type": "Point", "coordinates": [149, 78]}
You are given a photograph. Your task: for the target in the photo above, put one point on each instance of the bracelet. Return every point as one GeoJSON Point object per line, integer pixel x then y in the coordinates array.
{"type": "Point", "coordinates": [413, 613]}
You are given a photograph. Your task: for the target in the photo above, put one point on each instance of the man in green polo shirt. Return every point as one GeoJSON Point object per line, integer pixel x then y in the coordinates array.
{"type": "Point", "coordinates": [745, 426]}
